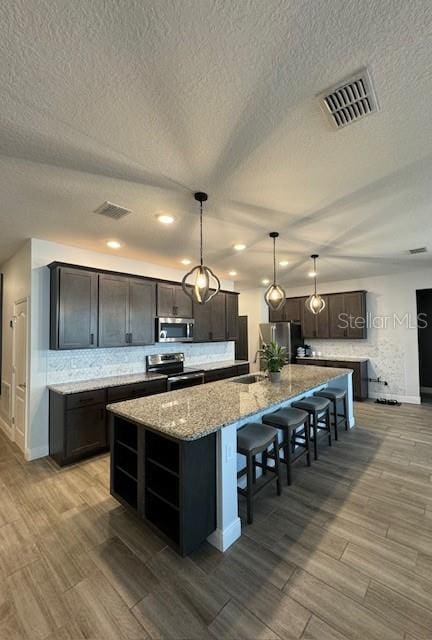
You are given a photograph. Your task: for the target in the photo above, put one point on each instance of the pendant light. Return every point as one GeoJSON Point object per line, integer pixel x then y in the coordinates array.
{"type": "Point", "coordinates": [275, 295]}
{"type": "Point", "coordinates": [315, 303]}
{"type": "Point", "coordinates": [202, 278]}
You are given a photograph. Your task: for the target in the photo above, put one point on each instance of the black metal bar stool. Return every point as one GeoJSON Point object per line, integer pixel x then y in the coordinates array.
{"type": "Point", "coordinates": [319, 416]}
{"type": "Point", "coordinates": [253, 439]}
{"type": "Point", "coordinates": [295, 426]}
{"type": "Point", "coordinates": [335, 396]}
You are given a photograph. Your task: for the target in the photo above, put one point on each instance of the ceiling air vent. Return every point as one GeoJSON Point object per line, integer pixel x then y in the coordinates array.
{"type": "Point", "coordinates": [111, 210]}
{"type": "Point", "coordinates": [349, 101]}
{"type": "Point", "coordinates": [418, 250]}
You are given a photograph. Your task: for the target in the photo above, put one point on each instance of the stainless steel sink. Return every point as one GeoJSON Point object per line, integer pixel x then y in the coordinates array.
{"type": "Point", "coordinates": [251, 379]}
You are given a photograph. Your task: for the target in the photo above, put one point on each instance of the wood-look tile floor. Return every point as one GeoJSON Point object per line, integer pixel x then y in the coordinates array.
{"type": "Point", "coordinates": [346, 552]}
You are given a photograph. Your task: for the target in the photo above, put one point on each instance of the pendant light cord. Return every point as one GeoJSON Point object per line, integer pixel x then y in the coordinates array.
{"type": "Point", "coordinates": [201, 235]}
{"type": "Point", "coordinates": [274, 261]}
{"type": "Point", "coordinates": [315, 276]}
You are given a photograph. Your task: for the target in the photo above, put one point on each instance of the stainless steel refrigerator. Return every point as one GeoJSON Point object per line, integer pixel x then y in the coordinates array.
{"type": "Point", "coordinates": [285, 334]}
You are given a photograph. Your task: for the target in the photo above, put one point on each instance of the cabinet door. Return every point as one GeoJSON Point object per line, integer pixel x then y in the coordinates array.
{"type": "Point", "coordinates": [202, 327]}
{"type": "Point", "coordinates": [231, 301]}
{"type": "Point", "coordinates": [309, 322]}
{"type": "Point", "coordinates": [85, 430]}
{"type": "Point", "coordinates": [355, 307]}
{"type": "Point", "coordinates": [293, 309]}
{"type": "Point", "coordinates": [113, 311]}
{"type": "Point", "coordinates": [277, 316]}
{"type": "Point", "coordinates": [322, 321]}
{"type": "Point", "coordinates": [182, 303]}
{"type": "Point", "coordinates": [77, 309]}
{"type": "Point", "coordinates": [217, 317]}
{"type": "Point", "coordinates": [165, 300]}
{"type": "Point", "coordinates": [141, 312]}
{"type": "Point", "coordinates": [336, 305]}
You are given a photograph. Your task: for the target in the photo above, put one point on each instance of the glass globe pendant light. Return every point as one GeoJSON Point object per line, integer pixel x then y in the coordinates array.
{"type": "Point", "coordinates": [275, 295]}
{"type": "Point", "coordinates": [199, 281]}
{"type": "Point", "coordinates": [315, 303]}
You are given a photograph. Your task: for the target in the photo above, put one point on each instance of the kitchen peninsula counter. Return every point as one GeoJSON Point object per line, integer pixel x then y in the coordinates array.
{"type": "Point", "coordinates": [174, 456]}
{"type": "Point", "coordinates": [188, 414]}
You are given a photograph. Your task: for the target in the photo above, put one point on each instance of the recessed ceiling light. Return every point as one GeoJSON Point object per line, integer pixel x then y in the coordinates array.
{"type": "Point", "coordinates": [165, 219]}
{"type": "Point", "coordinates": [114, 244]}
{"type": "Point", "coordinates": [283, 263]}
{"type": "Point", "coordinates": [265, 281]}
{"type": "Point", "coordinates": [232, 273]}
{"type": "Point", "coordinates": [185, 261]}
{"type": "Point", "coordinates": [240, 247]}
{"type": "Point", "coordinates": [312, 274]}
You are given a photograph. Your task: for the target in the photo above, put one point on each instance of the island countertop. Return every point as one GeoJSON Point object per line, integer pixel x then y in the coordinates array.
{"type": "Point", "coordinates": [192, 413]}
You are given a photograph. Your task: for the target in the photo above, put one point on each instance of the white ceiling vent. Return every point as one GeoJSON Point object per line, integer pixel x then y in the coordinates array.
{"type": "Point", "coordinates": [418, 250]}
{"type": "Point", "coordinates": [350, 100]}
{"type": "Point", "coordinates": [111, 210]}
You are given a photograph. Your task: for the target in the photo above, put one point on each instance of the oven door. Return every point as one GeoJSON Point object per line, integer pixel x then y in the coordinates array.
{"type": "Point", "coordinates": [175, 329]}
{"type": "Point", "coordinates": [185, 380]}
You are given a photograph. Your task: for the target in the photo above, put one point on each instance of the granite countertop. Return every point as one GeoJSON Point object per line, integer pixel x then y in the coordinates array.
{"type": "Point", "coordinates": [222, 364]}
{"type": "Point", "coordinates": [189, 414]}
{"type": "Point", "coordinates": [102, 383]}
{"type": "Point", "coordinates": [336, 358]}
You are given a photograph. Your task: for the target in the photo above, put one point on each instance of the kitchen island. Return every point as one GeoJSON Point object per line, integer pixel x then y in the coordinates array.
{"type": "Point", "coordinates": [174, 455]}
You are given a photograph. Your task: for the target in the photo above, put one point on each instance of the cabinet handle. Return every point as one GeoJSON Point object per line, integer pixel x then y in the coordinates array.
{"type": "Point", "coordinates": [127, 338]}
{"type": "Point", "coordinates": [175, 311]}
{"type": "Point", "coordinates": [130, 338]}
{"type": "Point", "coordinates": [92, 338]}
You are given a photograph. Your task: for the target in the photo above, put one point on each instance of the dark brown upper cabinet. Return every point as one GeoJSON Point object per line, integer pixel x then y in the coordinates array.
{"type": "Point", "coordinates": [277, 316]}
{"type": "Point", "coordinates": [293, 309]}
{"type": "Point", "coordinates": [74, 308]}
{"type": "Point", "coordinates": [232, 314]}
{"type": "Point", "coordinates": [348, 315]}
{"type": "Point", "coordinates": [172, 301]}
{"type": "Point", "coordinates": [343, 317]}
{"type": "Point", "coordinates": [210, 319]}
{"type": "Point", "coordinates": [126, 311]}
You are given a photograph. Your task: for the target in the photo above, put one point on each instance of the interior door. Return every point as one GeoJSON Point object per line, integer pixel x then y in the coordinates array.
{"type": "Point", "coordinates": [19, 369]}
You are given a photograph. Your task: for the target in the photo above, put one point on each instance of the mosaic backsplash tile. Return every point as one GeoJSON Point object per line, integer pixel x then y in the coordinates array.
{"type": "Point", "coordinates": [84, 364]}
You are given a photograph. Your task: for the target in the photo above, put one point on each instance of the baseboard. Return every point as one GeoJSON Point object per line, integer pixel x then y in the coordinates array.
{"type": "Point", "coordinates": [394, 396]}
{"type": "Point", "coordinates": [222, 539]}
{"type": "Point", "coordinates": [7, 429]}
{"type": "Point", "coordinates": [37, 452]}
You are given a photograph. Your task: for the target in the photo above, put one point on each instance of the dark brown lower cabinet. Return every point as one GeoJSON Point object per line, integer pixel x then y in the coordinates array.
{"type": "Point", "coordinates": [213, 375]}
{"type": "Point", "coordinates": [78, 422]}
{"type": "Point", "coordinates": [359, 378]}
{"type": "Point", "coordinates": [171, 484]}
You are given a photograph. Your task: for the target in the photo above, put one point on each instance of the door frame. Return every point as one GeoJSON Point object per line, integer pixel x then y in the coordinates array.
{"type": "Point", "coordinates": [13, 377]}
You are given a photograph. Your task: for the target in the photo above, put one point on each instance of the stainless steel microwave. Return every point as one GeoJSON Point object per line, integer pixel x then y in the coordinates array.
{"type": "Point", "coordinates": [175, 329]}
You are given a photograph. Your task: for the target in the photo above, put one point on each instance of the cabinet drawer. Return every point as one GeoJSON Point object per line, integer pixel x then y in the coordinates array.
{"type": "Point", "coordinates": [316, 363]}
{"type": "Point", "coordinates": [242, 369]}
{"type": "Point", "coordinates": [220, 374]}
{"type": "Point", "coordinates": [136, 390]}
{"type": "Point", "coordinates": [76, 400]}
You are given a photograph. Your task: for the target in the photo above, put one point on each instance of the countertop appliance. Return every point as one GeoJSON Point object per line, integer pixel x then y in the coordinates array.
{"type": "Point", "coordinates": [172, 365]}
{"type": "Point", "coordinates": [285, 334]}
{"type": "Point", "coordinates": [175, 329]}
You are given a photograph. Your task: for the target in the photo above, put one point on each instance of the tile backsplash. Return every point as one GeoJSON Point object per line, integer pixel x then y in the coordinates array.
{"type": "Point", "coordinates": [84, 364]}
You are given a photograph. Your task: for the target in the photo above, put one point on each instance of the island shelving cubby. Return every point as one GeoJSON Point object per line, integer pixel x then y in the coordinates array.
{"type": "Point", "coordinates": [169, 483]}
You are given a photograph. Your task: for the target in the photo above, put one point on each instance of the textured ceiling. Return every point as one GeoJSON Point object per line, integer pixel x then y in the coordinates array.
{"type": "Point", "coordinates": [143, 102]}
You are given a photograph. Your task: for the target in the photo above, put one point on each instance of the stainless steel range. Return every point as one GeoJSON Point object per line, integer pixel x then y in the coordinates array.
{"type": "Point", "coordinates": [172, 365]}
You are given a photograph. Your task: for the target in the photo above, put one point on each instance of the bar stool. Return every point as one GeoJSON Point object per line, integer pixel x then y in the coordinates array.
{"type": "Point", "coordinates": [253, 439]}
{"type": "Point", "coordinates": [295, 426]}
{"type": "Point", "coordinates": [319, 415]}
{"type": "Point", "coordinates": [335, 395]}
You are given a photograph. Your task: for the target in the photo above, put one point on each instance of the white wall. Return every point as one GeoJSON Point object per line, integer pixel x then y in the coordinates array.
{"type": "Point", "coordinates": [252, 305]}
{"type": "Point", "coordinates": [392, 351]}
{"type": "Point", "coordinates": [16, 282]}
{"type": "Point", "coordinates": [51, 366]}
